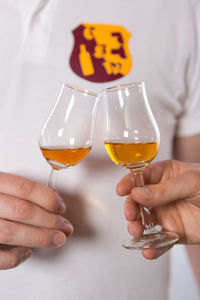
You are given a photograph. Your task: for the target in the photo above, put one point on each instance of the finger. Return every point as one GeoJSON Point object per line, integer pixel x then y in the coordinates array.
{"type": "Point", "coordinates": [152, 174]}
{"type": "Point", "coordinates": [184, 186]}
{"type": "Point", "coordinates": [11, 257]}
{"type": "Point", "coordinates": [155, 252]}
{"type": "Point", "coordinates": [19, 210]}
{"type": "Point", "coordinates": [27, 236]}
{"type": "Point", "coordinates": [131, 209]}
{"type": "Point", "coordinates": [37, 193]}
{"type": "Point", "coordinates": [136, 229]}
{"type": "Point", "coordinates": [125, 185]}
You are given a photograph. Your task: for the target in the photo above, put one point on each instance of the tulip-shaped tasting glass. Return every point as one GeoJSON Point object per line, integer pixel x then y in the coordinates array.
{"type": "Point", "coordinates": [66, 137]}
{"type": "Point", "coordinates": [132, 140]}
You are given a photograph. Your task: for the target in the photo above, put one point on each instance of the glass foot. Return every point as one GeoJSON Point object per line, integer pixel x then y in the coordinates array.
{"type": "Point", "coordinates": [152, 238]}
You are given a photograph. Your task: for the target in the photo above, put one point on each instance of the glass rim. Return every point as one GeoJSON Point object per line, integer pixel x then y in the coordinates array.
{"type": "Point", "coordinates": [81, 90]}
{"type": "Point", "coordinates": [124, 86]}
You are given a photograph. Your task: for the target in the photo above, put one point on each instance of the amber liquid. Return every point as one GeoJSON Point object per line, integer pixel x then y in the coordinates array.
{"type": "Point", "coordinates": [64, 158]}
{"type": "Point", "coordinates": [132, 155]}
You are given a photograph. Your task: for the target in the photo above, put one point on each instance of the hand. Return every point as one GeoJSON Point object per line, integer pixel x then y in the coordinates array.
{"type": "Point", "coordinates": [172, 191]}
{"type": "Point", "coordinates": [30, 216]}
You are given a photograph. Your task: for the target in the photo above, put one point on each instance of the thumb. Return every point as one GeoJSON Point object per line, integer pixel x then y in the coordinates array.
{"type": "Point", "coordinates": [184, 186]}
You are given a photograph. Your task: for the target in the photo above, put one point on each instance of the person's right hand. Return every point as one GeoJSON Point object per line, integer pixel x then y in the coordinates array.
{"type": "Point", "coordinates": [30, 216]}
{"type": "Point", "coordinates": [172, 190]}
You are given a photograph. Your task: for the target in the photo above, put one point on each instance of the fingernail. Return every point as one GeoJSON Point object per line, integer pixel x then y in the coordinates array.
{"type": "Point", "coordinates": [58, 239]}
{"type": "Point", "coordinates": [67, 227]}
{"type": "Point", "coordinates": [161, 251]}
{"type": "Point", "coordinates": [26, 254]}
{"type": "Point", "coordinates": [61, 205]}
{"type": "Point", "coordinates": [130, 229]}
{"type": "Point", "coordinates": [143, 192]}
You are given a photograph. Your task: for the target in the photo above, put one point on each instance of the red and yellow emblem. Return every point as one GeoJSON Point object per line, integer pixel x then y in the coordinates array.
{"type": "Point", "coordinates": [100, 52]}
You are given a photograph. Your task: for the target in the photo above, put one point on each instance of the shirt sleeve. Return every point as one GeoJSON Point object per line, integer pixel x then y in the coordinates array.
{"type": "Point", "coordinates": [189, 120]}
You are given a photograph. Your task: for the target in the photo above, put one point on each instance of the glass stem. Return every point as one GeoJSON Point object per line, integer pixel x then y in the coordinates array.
{"type": "Point", "coordinates": [52, 178]}
{"type": "Point", "coordinates": [144, 211]}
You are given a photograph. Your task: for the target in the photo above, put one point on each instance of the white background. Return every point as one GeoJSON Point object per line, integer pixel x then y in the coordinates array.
{"type": "Point", "coordinates": [183, 285]}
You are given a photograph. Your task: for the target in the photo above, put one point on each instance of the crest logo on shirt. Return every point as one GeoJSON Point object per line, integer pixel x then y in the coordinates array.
{"type": "Point", "coordinates": [101, 52]}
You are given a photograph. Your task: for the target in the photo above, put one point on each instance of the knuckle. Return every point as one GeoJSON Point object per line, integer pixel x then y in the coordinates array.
{"type": "Point", "coordinates": [5, 233]}
{"type": "Point", "coordinates": [163, 190]}
{"type": "Point", "coordinates": [22, 211]}
{"type": "Point", "coordinates": [54, 222]}
{"type": "Point", "coordinates": [25, 188]}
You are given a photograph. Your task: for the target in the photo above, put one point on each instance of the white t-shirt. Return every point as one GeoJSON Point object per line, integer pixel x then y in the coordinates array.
{"type": "Point", "coordinates": [134, 40]}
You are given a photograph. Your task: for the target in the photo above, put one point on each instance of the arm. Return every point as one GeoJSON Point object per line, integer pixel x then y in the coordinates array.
{"type": "Point", "coordinates": [188, 149]}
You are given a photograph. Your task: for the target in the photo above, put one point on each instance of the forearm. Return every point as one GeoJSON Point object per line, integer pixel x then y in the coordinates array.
{"type": "Point", "coordinates": [187, 149]}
